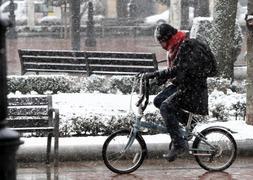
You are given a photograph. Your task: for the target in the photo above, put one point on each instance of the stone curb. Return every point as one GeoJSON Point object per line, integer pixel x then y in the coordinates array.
{"type": "Point", "coordinates": [76, 151]}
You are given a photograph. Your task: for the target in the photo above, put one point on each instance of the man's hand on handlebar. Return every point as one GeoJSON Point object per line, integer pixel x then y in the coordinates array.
{"type": "Point", "coordinates": [149, 75]}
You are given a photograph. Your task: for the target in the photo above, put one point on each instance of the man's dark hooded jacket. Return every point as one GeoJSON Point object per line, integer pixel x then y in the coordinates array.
{"type": "Point", "coordinates": [189, 73]}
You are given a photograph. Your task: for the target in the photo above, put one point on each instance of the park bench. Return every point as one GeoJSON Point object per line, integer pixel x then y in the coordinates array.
{"type": "Point", "coordinates": [86, 62]}
{"type": "Point", "coordinates": [35, 114]}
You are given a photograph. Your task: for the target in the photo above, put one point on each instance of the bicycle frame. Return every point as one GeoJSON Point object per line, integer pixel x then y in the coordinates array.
{"type": "Point", "coordinates": [138, 124]}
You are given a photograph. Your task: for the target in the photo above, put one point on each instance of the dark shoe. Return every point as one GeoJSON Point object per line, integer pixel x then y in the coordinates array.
{"type": "Point", "coordinates": [177, 151]}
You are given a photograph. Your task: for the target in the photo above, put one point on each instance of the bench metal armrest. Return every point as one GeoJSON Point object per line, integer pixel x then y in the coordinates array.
{"type": "Point", "coordinates": [54, 114]}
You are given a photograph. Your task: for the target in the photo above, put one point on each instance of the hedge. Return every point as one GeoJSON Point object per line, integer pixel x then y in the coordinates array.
{"type": "Point", "coordinates": [44, 84]}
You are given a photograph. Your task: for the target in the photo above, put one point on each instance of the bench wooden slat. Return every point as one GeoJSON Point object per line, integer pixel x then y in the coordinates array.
{"type": "Point", "coordinates": [28, 101]}
{"type": "Point", "coordinates": [113, 61]}
{"type": "Point", "coordinates": [33, 129]}
{"type": "Point", "coordinates": [120, 66]}
{"type": "Point", "coordinates": [126, 55]}
{"type": "Point", "coordinates": [55, 66]}
{"type": "Point", "coordinates": [57, 71]}
{"type": "Point", "coordinates": [54, 59]}
{"type": "Point", "coordinates": [28, 123]}
{"type": "Point", "coordinates": [36, 52]}
{"type": "Point", "coordinates": [116, 69]}
{"type": "Point", "coordinates": [114, 73]}
{"type": "Point", "coordinates": [10, 118]}
{"type": "Point", "coordinates": [28, 111]}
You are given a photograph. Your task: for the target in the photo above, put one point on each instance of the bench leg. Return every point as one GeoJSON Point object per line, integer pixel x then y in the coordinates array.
{"type": "Point", "coordinates": [56, 138]}
{"type": "Point", "coordinates": [56, 149]}
{"type": "Point", "coordinates": [49, 139]}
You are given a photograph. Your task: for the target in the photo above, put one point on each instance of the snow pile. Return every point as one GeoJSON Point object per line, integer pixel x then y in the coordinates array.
{"type": "Point", "coordinates": [228, 106]}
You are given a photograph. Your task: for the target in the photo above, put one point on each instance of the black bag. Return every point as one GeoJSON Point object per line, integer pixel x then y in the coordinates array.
{"type": "Point", "coordinates": [209, 65]}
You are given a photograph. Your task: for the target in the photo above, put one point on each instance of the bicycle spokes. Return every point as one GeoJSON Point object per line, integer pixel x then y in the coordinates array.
{"type": "Point", "coordinates": [216, 151]}
{"type": "Point", "coordinates": [120, 159]}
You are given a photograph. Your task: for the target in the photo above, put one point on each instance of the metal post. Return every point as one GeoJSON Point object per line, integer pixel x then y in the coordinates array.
{"type": "Point", "coordinates": [9, 140]}
{"type": "Point", "coordinates": [75, 24]}
{"type": "Point", "coordinates": [201, 8]}
{"type": "Point", "coordinates": [132, 9]}
{"type": "Point", "coordinates": [90, 41]}
{"type": "Point", "coordinates": [132, 14]}
{"type": "Point", "coordinates": [184, 15]}
{"type": "Point", "coordinates": [12, 33]}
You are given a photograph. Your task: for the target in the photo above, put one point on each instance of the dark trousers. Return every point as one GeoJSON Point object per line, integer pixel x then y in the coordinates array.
{"type": "Point", "coordinates": [167, 92]}
{"type": "Point", "coordinates": [169, 108]}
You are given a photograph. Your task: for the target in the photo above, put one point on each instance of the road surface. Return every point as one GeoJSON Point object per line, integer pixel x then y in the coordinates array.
{"type": "Point", "coordinates": [151, 170]}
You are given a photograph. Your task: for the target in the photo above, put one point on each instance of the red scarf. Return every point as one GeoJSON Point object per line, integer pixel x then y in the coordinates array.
{"type": "Point", "coordinates": [172, 46]}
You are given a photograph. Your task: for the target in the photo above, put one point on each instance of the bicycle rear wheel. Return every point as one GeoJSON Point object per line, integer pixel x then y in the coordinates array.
{"type": "Point", "coordinates": [216, 150]}
{"type": "Point", "coordinates": [123, 161]}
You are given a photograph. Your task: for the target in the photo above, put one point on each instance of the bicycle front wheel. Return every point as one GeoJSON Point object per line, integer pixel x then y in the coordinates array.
{"type": "Point", "coordinates": [215, 150]}
{"type": "Point", "coordinates": [121, 160]}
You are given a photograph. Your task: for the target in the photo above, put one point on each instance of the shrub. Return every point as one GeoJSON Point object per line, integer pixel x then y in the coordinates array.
{"type": "Point", "coordinates": [40, 84]}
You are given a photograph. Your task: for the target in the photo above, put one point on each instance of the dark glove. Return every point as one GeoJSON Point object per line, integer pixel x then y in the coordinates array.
{"type": "Point", "coordinates": [161, 76]}
{"type": "Point", "coordinates": [161, 81]}
{"type": "Point", "coordinates": [150, 75]}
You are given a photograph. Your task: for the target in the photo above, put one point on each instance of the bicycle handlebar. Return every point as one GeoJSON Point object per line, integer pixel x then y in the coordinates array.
{"type": "Point", "coordinates": [144, 92]}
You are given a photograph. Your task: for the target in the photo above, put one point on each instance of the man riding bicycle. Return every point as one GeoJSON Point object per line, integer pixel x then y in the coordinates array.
{"type": "Point", "coordinates": [190, 62]}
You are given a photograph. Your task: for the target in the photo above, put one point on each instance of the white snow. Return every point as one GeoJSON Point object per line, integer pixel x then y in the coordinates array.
{"type": "Point", "coordinates": [107, 104]}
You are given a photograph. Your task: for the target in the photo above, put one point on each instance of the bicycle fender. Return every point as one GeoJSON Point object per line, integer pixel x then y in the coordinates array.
{"type": "Point", "coordinates": [138, 134]}
{"type": "Point", "coordinates": [145, 145]}
{"type": "Point", "coordinates": [221, 128]}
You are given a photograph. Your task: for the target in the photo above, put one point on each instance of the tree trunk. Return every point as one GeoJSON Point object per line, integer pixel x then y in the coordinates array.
{"type": "Point", "coordinates": [122, 8]}
{"type": "Point", "coordinates": [185, 15]}
{"type": "Point", "coordinates": [249, 111]}
{"type": "Point", "coordinates": [30, 14]}
{"type": "Point", "coordinates": [175, 17]}
{"type": "Point", "coordinates": [179, 20]}
{"type": "Point", "coordinates": [224, 31]}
